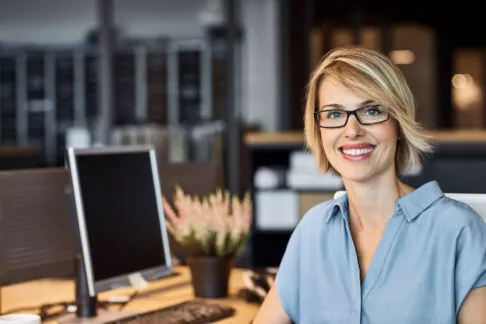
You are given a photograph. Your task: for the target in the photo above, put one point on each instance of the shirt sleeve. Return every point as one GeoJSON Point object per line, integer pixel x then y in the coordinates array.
{"type": "Point", "coordinates": [287, 280]}
{"type": "Point", "coordinates": [470, 259]}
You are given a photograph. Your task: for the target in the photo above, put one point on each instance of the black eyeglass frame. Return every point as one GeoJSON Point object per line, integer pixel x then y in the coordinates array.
{"type": "Point", "coordinates": [349, 113]}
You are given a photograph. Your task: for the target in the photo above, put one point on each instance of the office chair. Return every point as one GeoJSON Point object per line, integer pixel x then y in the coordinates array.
{"type": "Point", "coordinates": [475, 200]}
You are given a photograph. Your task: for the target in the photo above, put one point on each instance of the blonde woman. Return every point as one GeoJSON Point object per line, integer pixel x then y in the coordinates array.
{"type": "Point", "coordinates": [384, 252]}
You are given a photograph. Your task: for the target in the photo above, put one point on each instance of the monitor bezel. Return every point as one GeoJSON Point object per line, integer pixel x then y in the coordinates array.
{"type": "Point", "coordinates": [95, 287]}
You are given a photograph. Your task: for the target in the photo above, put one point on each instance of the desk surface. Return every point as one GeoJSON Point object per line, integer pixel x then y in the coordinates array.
{"type": "Point", "coordinates": [159, 293]}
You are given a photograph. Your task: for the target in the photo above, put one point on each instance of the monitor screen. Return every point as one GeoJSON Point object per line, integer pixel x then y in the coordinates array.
{"type": "Point", "coordinates": [119, 214]}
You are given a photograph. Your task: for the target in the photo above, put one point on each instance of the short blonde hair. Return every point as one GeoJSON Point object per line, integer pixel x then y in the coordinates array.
{"type": "Point", "coordinates": [371, 75]}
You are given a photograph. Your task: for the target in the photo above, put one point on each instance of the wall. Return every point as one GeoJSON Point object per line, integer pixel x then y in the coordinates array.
{"type": "Point", "coordinates": [67, 21]}
{"type": "Point", "coordinates": [261, 52]}
{"type": "Point", "coordinates": [52, 22]}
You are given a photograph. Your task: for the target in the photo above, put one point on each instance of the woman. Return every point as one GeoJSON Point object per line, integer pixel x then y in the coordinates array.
{"type": "Point", "coordinates": [384, 252]}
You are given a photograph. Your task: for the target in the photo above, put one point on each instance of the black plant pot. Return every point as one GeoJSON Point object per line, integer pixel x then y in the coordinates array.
{"type": "Point", "coordinates": [210, 275]}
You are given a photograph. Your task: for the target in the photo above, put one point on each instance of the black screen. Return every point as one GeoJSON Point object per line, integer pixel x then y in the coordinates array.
{"type": "Point", "coordinates": [121, 213]}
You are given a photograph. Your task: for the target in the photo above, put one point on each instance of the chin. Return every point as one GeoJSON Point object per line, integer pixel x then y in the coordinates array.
{"type": "Point", "coordinates": [357, 173]}
{"type": "Point", "coordinates": [357, 177]}
{"type": "Point", "coordinates": [362, 171]}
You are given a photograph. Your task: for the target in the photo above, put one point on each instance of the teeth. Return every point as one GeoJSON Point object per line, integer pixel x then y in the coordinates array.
{"type": "Point", "coordinates": [358, 151]}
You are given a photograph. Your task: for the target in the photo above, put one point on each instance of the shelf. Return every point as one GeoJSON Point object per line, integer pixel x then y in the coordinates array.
{"type": "Point", "coordinates": [297, 138]}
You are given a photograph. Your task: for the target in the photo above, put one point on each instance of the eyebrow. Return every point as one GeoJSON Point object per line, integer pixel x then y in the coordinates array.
{"type": "Point", "coordinates": [338, 106]}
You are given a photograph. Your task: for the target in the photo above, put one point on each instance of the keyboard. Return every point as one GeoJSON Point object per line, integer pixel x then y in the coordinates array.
{"type": "Point", "coordinates": [190, 312]}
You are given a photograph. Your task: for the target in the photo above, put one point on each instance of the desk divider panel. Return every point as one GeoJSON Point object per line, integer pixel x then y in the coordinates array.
{"type": "Point", "coordinates": [35, 233]}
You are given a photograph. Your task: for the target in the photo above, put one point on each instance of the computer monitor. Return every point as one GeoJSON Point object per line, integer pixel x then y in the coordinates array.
{"type": "Point", "coordinates": [120, 220]}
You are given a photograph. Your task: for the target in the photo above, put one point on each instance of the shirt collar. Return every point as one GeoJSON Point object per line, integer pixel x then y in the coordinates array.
{"type": "Point", "coordinates": [412, 204]}
{"type": "Point", "coordinates": [415, 202]}
{"type": "Point", "coordinates": [339, 204]}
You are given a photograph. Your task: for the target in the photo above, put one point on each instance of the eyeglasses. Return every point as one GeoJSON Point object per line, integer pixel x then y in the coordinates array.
{"type": "Point", "coordinates": [336, 118]}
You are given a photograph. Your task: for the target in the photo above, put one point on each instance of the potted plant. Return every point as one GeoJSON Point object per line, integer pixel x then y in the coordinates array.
{"type": "Point", "coordinates": [216, 227]}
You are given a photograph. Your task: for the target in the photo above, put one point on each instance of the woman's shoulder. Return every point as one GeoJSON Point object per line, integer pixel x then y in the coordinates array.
{"type": "Point", "coordinates": [454, 214]}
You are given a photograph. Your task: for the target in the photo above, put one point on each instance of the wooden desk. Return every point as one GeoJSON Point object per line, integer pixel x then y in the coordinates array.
{"type": "Point", "coordinates": [159, 293]}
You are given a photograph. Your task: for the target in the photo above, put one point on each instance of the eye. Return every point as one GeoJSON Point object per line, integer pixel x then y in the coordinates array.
{"type": "Point", "coordinates": [334, 114]}
{"type": "Point", "coordinates": [373, 111]}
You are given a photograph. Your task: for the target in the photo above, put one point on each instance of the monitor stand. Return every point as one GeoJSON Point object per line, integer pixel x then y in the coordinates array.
{"type": "Point", "coordinates": [87, 311]}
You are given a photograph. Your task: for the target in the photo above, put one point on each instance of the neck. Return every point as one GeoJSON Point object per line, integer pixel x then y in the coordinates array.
{"type": "Point", "coordinates": [372, 203]}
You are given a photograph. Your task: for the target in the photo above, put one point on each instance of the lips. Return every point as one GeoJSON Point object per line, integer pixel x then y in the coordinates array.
{"type": "Point", "coordinates": [356, 152]}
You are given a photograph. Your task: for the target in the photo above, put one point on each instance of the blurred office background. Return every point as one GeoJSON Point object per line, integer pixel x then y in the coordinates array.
{"type": "Point", "coordinates": [178, 72]}
{"type": "Point", "coordinates": [222, 82]}
{"type": "Point", "coordinates": [111, 72]}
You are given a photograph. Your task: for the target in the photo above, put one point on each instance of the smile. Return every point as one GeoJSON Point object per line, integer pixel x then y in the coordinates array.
{"type": "Point", "coordinates": [357, 153]}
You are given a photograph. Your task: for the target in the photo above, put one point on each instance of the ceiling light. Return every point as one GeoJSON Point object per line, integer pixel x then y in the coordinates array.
{"type": "Point", "coordinates": [402, 57]}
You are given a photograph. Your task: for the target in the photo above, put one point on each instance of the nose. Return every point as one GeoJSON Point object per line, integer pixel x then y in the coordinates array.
{"type": "Point", "coordinates": [353, 128]}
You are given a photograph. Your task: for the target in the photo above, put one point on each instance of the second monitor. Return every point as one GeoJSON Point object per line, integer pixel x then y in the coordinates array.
{"type": "Point", "coordinates": [121, 225]}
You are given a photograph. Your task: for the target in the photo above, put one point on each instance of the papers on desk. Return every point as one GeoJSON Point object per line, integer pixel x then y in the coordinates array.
{"type": "Point", "coordinates": [20, 319]}
{"type": "Point", "coordinates": [304, 174]}
{"type": "Point", "coordinates": [269, 178]}
{"type": "Point", "coordinates": [314, 181]}
{"type": "Point", "coordinates": [282, 209]}
{"type": "Point", "coordinates": [277, 210]}
{"type": "Point", "coordinates": [305, 185]}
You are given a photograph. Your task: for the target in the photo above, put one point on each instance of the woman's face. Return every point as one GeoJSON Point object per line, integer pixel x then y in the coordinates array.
{"type": "Point", "coordinates": [357, 152]}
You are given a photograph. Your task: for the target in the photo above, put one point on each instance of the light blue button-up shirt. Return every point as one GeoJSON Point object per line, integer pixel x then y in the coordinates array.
{"type": "Point", "coordinates": [431, 254]}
